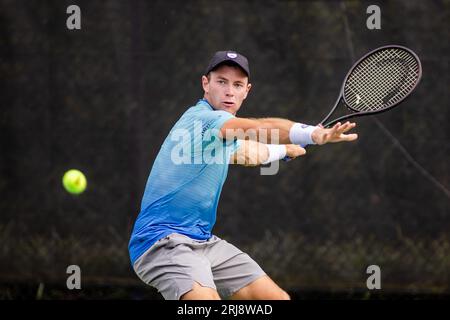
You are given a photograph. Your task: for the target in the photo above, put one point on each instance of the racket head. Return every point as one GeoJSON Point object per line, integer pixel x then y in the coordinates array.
{"type": "Point", "coordinates": [381, 79]}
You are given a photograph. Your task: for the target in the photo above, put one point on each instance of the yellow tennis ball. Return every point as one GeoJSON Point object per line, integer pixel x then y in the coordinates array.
{"type": "Point", "coordinates": [74, 181]}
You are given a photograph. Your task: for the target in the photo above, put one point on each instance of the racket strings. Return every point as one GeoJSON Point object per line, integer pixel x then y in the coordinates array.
{"type": "Point", "coordinates": [378, 85]}
{"type": "Point", "coordinates": [385, 65]}
{"type": "Point", "coordinates": [384, 84]}
{"type": "Point", "coordinates": [381, 80]}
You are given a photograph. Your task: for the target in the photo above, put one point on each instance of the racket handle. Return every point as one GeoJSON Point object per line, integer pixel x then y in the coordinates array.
{"type": "Point", "coordinates": [287, 159]}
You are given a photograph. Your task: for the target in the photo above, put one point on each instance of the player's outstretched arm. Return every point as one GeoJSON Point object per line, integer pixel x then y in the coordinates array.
{"type": "Point", "coordinates": [266, 130]}
{"type": "Point", "coordinates": [253, 153]}
{"type": "Point", "coordinates": [284, 131]}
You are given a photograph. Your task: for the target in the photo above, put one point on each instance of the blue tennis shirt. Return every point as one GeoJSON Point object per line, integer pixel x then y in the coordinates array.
{"type": "Point", "coordinates": [184, 185]}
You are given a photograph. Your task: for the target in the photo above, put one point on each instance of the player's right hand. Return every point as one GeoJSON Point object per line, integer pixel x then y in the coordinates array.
{"type": "Point", "coordinates": [294, 150]}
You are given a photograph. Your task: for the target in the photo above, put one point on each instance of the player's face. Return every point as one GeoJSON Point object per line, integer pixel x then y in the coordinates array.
{"type": "Point", "coordinates": [226, 88]}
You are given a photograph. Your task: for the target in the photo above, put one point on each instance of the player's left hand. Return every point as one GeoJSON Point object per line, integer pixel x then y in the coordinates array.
{"type": "Point", "coordinates": [334, 134]}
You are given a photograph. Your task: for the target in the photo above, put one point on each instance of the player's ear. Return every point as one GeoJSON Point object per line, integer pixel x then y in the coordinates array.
{"type": "Point", "coordinates": [249, 86]}
{"type": "Point", "coordinates": [205, 82]}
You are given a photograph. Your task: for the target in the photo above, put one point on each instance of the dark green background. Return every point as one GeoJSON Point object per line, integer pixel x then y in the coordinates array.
{"type": "Point", "coordinates": [102, 99]}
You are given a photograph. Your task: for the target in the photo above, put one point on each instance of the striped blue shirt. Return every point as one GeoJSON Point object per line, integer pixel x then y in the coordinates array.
{"type": "Point", "coordinates": [184, 185]}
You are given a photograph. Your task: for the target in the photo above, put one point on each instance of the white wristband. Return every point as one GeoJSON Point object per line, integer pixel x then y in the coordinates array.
{"type": "Point", "coordinates": [276, 152]}
{"type": "Point", "coordinates": [301, 134]}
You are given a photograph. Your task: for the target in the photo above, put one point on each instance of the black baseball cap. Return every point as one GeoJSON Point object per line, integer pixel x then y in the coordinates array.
{"type": "Point", "coordinates": [229, 56]}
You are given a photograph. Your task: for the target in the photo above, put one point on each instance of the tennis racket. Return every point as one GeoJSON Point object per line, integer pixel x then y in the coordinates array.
{"type": "Point", "coordinates": [378, 82]}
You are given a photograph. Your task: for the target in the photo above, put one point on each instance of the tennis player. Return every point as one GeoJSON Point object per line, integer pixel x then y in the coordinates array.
{"type": "Point", "coordinates": [172, 247]}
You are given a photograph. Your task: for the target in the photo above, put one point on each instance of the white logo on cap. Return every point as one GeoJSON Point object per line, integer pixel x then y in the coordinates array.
{"type": "Point", "coordinates": [231, 55]}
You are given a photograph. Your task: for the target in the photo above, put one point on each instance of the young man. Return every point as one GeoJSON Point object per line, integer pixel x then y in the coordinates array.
{"type": "Point", "coordinates": [171, 247]}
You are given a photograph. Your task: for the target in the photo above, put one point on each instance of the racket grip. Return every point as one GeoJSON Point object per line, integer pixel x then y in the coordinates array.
{"type": "Point", "coordinates": [286, 159]}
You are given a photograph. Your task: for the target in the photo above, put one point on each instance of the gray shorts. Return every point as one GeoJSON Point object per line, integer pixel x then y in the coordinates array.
{"type": "Point", "coordinates": [173, 263]}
